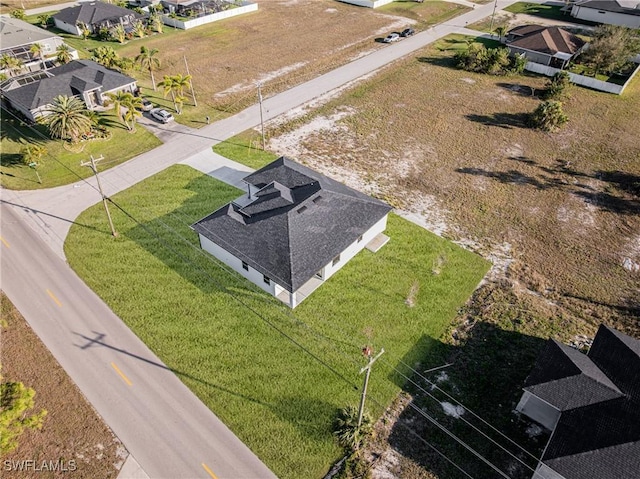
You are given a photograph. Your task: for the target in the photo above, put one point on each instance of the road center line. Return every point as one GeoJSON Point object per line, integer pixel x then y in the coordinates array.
{"type": "Point", "coordinates": [53, 296]}
{"type": "Point", "coordinates": [125, 378]}
{"type": "Point", "coordinates": [209, 471]}
{"type": "Point", "coordinates": [4, 242]}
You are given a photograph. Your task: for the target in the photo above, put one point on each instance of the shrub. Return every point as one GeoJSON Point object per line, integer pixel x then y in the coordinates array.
{"type": "Point", "coordinates": [548, 116]}
{"type": "Point", "coordinates": [557, 86]}
{"type": "Point", "coordinates": [351, 436]}
{"type": "Point", "coordinates": [495, 61]}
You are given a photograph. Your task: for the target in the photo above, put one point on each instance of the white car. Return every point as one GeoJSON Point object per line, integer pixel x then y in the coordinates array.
{"type": "Point", "coordinates": [161, 115]}
{"type": "Point", "coordinates": [392, 37]}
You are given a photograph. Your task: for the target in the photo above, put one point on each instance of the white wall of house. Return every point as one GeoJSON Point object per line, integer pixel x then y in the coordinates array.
{"type": "Point", "coordinates": [545, 472]}
{"type": "Point", "coordinates": [354, 248]}
{"type": "Point", "coordinates": [601, 16]}
{"type": "Point", "coordinates": [66, 27]}
{"type": "Point", "coordinates": [214, 17]}
{"type": "Point", "coordinates": [368, 3]}
{"type": "Point", "coordinates": [274, 288]}
{"type": "Point", "coordinates": [230, 260]}
{"type": "Point", "coordinates": [540, 411]}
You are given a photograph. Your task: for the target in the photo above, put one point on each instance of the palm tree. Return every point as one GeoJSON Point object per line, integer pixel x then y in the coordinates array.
{"type": "Point", "coordinates": [36, 49]}
{"type": "Point", "coordinates": [181, 82]}
{"type": "Point", "coordinates": [133, 105]}
{"type": "Point", "coordinates": [119, 33]}
{"type": "Point", "coordinates": [44, 20]}
{"type": "Point", "coordinates": [105, 56]}
{"type": "Point", "coordinates": [63, 54]}
{"type": "Point", "coordinates": [156, 22]}
{"type": "Point", "coordinates": [10, 63]}
{"type": "Point", "coordinates": [119, 100]}
{"type": "Point", "coordinates": [85, 31]}
{"type": "Point", "coordinates": [500, 31]}
{"type": "Point", "coordinates": [148, 60]}
{"type": "Point", "coordinates": [169, 86]}
{"type": "Point", "coordinates": [31, 156]}
{"type": "Point", "coordinates": [139, 29]}
{"type": "Point", "coordinates": [66, 117]}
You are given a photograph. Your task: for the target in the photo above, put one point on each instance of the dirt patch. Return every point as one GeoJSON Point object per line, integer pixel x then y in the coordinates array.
{"type": "Point", "coordinates": [72, 430]}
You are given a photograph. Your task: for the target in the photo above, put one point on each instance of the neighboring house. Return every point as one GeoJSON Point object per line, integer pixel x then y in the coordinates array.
{"type": "Point", "coordinates": [368, 3]}
{"type": "Point", "coordinates": [95, 15]}
{"type": "Point", "coordinates": [18, 36]}
{"type": "Point", "coordinates": [614, 12]}
{"type": "Point", "coordinates": [551, 46]}
{"type": "Point", "coordinates": [591, 403]}
{"type": "Point", "coordinates": [293, 229]}
{"type": "Point", "coordinates": [31, 95]}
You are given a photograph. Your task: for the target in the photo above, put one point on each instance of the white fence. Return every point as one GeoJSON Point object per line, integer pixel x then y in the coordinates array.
{"type": "Point", "coordinates": [368, 3]}
{"type": "Point", "coordinates": [214, 17]}
{"type": "Point", "coordinates": [589, 82]}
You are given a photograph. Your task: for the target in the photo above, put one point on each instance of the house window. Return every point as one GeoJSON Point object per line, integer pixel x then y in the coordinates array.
{"type": "Point", "coordinates": [359, 238]}
{"type": "Point", "coordinates": [266, 279]}
{"type": "Point", "coordinates": [335, 261]}
{"type": "Point", "coordinates": [245, 266]}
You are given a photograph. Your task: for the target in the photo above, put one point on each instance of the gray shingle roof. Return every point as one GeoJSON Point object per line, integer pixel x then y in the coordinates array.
{"type": "Point", "coordinates": [299, 223]}
{"type": "Point", "coordinates": [598, 433]}
{"type": "Point", "coordinates": [14, 33]}
{"type": "Point", "coordinates": [90, 13]}
{"type": "Point", "coordinates": [628, 7]}
{"type": "Point", "coordinates": [71, 79]}
{"type": "Point", "coordinates": [566, 378]}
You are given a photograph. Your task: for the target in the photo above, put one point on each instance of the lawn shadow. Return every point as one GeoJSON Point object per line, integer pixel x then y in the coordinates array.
{"type": "Point", "coordinates": [11, 159]}
{"type": "Point", "coordinates": [501, 120]}
{"type": "Point", "coordinates": [447, 62]}
{"type": "Point", "coordinates": [626, 199]}
{"type": "Point", "coordinates": [486, 375]}
{"type": "Point", "coordinates": [522, 90]}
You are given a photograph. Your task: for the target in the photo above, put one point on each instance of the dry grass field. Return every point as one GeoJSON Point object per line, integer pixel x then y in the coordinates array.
{"type": "Point", "coordinates": [71, 430]}
{"type": "Point", "coordinates": [560, 209]}
{"type": "Point", "coordinates": [9, 5]}
{"type": "Point", "coordinates": [281, 45]}
{"type": "Point", "coordinates": [557, 213]}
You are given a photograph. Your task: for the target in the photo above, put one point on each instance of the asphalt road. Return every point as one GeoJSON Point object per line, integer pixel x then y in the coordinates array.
{"type": "Point", "coordinates": [164, 426]}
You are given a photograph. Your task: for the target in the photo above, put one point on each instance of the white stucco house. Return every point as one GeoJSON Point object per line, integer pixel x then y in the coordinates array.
{"type": "Point", "coordinates": [591, 404]}
{"type": "Point", "coordinates": [625, 13]}
{"type": "Point", "coordinates": [17, 37]}
{"type": "Point", "coordinates": [293, 229]}
{"type": "Point", "coordinates": [32, 94]}
{"type": "Point", "coordinates": [368, 3]}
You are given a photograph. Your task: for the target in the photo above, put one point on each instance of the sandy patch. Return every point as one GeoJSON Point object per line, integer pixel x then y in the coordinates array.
{"type": "Point", "coordinates": [251, 84]}
{"type": "Point", "coordinates": [452, 410]}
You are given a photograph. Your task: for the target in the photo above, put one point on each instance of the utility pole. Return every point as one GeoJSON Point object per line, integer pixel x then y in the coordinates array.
{"type": "Point", "coordinates": [261, 118]}
{"type": "Point", "coordinates": [367, 351]}
{"type": "Point", "coordinates": [495, 5]}
{"type": "Point", "coordinates": [92, 164]}
{"type": "Point", "coordinates": [193, 93]}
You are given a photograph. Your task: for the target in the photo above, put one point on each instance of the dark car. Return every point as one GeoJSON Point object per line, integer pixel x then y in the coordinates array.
{"type": "Point", "coordinates": [407, 32]}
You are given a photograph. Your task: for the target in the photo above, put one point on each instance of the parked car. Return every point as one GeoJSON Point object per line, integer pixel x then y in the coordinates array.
{"type": "Point", "coordinates": [161, 115]}
{"type": "Point", "coordinates": [407, 32]}
{"type": "Point", "coordinates": [146, 105]}
{"type": "Point", "coordinates": [392, 37]}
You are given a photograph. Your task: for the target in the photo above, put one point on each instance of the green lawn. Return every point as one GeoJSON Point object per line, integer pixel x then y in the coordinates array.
{"type": "Point", "coordinates": [245, 148]}
{"type": "Point", "coordinates": [218, 332]}
{"type": "Point", "coordinates": [545, 11]}
{"type": "Point", "coordinates": [61, 166]}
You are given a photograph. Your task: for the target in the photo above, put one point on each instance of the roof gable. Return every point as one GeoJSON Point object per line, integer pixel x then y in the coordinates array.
{"type": "Point", "coordinates": [299, 221]}
{"type": "Point", "coordinates": [627, 7]}
{"type": "Point", "coordinates": [549, 40]}
{"type": "Point", "coordinates": [92, 12]}
{"type": "Point", "coordinates": [70, 79]}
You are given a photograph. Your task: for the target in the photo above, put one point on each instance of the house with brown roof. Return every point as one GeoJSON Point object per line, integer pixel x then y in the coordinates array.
{"type": "Point", "coordinates": [591, 404]}
{"type": "Point", "coordinates": [551, 46]}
